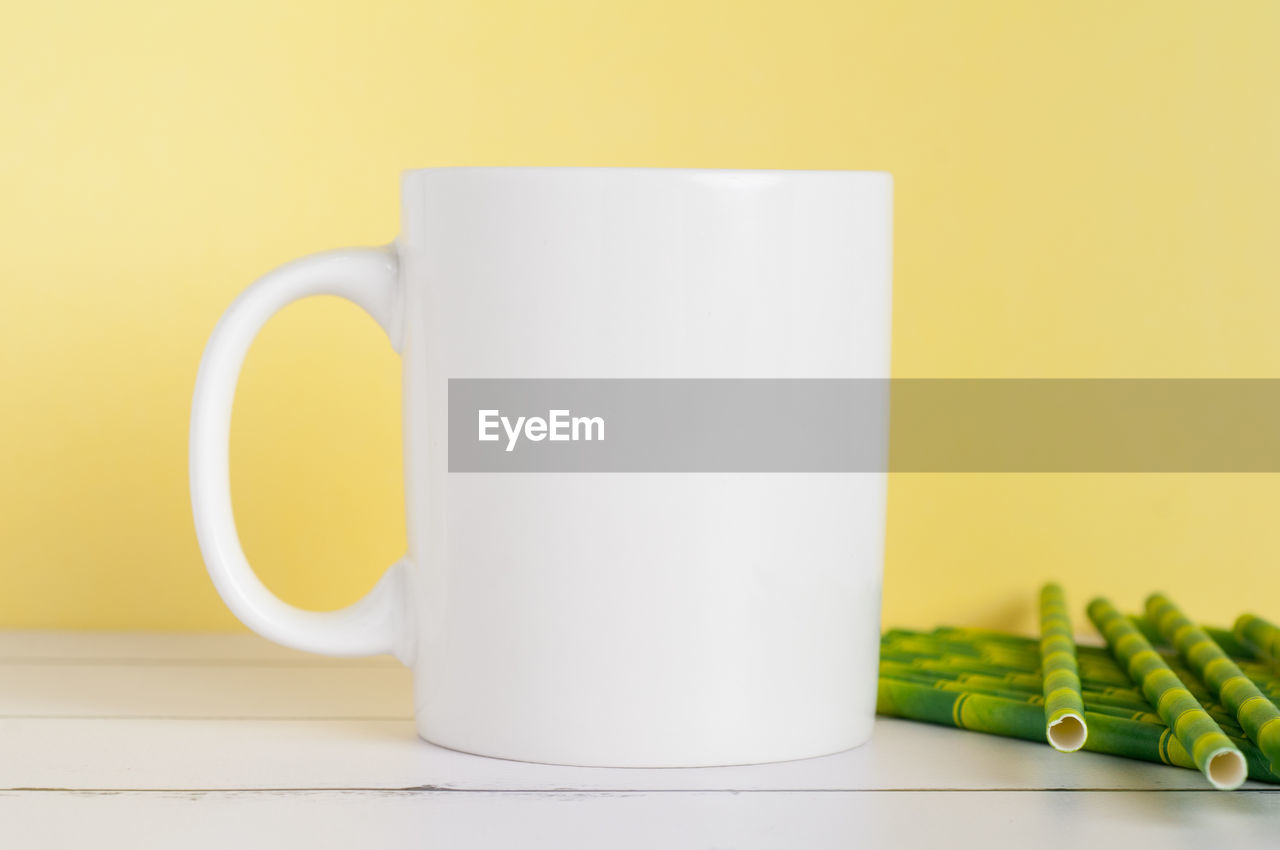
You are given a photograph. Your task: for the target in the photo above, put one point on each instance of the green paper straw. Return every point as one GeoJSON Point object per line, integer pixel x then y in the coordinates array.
{"type": "Point", "coordinates": [1225, 640]}
{"type": "Point", "coordinates": [1012, 719]}
{"type": "Point", "coordinates": [1065, 728]}
{"type": "Point", "coordinates": [966, 684]}
{"type": "Point", "coordinates": [1098, 696]}
{"type": "Point", "coordinates": [1028, 684]}
{"type": "Point", "coordinates": [1260, 637]}
{"type": "Point", "coordinates": [1230, 645]}
{"type": "Point", "coordinates": [1097, 665]}
{"type": "Point", "coordinates": [1148, 629]}
{"type": "Point", "coordinates": [1097, 674]}
{"type": "Point", "coordinates": [1258, 716]}
{"type": "Point", "coordinates": [1214, 754]}
{"type": "Point", "coordinates": [961, 636]}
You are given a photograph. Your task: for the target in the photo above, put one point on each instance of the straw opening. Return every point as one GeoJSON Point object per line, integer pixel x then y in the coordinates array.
{"type": "Point", "coordinates": [1068, 733]}
{"type": "Point", "coordinates": [1227, 770]}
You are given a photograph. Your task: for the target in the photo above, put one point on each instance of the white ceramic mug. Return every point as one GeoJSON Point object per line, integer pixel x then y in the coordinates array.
{"type": "Point", "coordinates": [615, 619]}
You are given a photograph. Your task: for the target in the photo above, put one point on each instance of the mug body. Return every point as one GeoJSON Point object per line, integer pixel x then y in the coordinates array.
{"type": "Point", "coordinates": [641, 619]}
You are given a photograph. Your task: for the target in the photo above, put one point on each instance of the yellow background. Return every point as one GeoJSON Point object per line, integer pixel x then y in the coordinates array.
{"type": "Point", "coordinates": [1086, 189]}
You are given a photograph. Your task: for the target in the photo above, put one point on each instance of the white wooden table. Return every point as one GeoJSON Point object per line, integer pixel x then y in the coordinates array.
{"type": "Point", "coordinates": [192, 741]}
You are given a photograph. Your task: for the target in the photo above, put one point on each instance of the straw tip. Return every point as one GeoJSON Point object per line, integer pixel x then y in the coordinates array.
{"type": "Point", "coordinates": [1226, 769]}
{"type": "Point", "coordinates": [1068, 733]}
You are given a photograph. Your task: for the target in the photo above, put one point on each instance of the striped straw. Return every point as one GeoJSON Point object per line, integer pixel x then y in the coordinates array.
{"type": "Point", "coordinates": [1259, 636]}
{"type": "Point", "coordinates": [1218, 759]}
{"type": "Point", "coordinates": [1093, 694]}
{"type": "Point", "coordinates": [1225, 640]}
{"type": "Point", "coordinates": [1019, 719]}
{"type": "Point", "coordinates": [1258, 716]}
{"type": "Point", "coordinates": [1065, 728]}
{"type": "Point", "coordinates": [965, 684]}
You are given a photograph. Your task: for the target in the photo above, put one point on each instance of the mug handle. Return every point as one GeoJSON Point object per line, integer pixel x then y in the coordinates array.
{"type": "Point", "coordinates": [376, 623]}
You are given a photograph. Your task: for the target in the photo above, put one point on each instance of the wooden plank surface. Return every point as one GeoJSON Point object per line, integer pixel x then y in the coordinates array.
{"type": "Point", "coordinates": [230, 741]}
{"type": "Point", "coordinates": [75, 753]}
{"type": "Point", "coordinates": [226, 690]}
{"type": "Point", "coordinates": [670, 821]}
